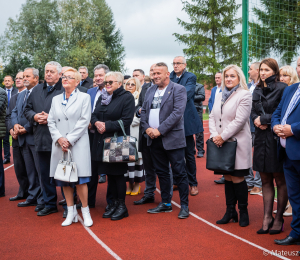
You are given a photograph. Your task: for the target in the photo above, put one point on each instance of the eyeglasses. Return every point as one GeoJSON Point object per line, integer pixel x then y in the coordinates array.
{"type": "Point", "coordinates": [18, 78]}
{"type": "Point", "coordinates": [176, 63]}
{"type": "Point", "coordinates": [66, 77]}
{"type": "Point", "coordinates": [132, 84]}
{"type": "Point", "coordinates": [109, 82]}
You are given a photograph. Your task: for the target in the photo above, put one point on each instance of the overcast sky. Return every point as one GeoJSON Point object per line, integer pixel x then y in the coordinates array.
{"type": "Point", "coordinates": [147, 27]}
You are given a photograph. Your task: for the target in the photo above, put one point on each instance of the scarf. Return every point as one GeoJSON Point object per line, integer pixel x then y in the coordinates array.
{"type": "Point", "coordinates": [226, 93]}
{"type": "Point", "coordinates": [105, 97]}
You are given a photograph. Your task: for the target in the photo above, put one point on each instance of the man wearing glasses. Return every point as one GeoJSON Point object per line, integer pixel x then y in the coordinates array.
{"type": "Point", "coordinates": [192, 123]}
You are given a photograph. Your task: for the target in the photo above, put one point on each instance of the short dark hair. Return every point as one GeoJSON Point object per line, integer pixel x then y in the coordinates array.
{"type": "Point", "coordinates": [10, 77]}
{"type": "Point", "coordinates": [161, 64]}
{"type": "Point", "coordinates": [141, 71]}
{"type": "Point", "coordinates": [127, 77]}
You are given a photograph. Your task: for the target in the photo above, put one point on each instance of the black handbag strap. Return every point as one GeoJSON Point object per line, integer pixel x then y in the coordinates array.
{"type": "Point", "coordinates": [122, 127]}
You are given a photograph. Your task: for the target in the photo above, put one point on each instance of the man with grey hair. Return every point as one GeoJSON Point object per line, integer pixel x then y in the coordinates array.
{"type": "Point", "coordinates": [23, 129]}
{"type": "Point", "coordinates": [86, 81]}
{"type": "Point", "coordinates": [36, 111]}
{"type": "Point", "coordinates": [99, 73]}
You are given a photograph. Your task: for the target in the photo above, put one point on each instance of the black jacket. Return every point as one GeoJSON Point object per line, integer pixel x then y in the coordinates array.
{"type": "Point", "coordinates": [40, 100]}
{"type": "Point", "coordinates": [87, 83]}
{"type": "Point", "coordinates": [264, 103]}
{"type": "Point", "coordinates": [8, 124]}
{"type": "Point", "coordinates": [199, 97]}
{"type": "Point", "coordinates": [139, 105]}
{"type": "Point", "coordinates": [122, 106]}
{"type": "Point", "coordinates": [3, 107]}
{"type": "Point", "coordinates": [82, 89]}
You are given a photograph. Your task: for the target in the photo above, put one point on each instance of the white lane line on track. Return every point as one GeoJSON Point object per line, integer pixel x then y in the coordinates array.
{"type": "Point", "coordinates": [99, 241]}
{"type": "Point", "coordinates": [231, 234]}
{"type": "Point", "coordinates": [9, 167]}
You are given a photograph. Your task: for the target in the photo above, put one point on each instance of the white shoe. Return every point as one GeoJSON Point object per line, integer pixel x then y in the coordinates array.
{"type": "Point", "coordinates": [71, 217]}
{"type": "Point", "coordinates": [86, 216]}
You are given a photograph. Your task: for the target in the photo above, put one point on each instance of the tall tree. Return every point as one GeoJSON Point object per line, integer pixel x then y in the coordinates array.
{"type": "Point", "coordinates": [210, 38]}
{"type": "Point", "coordinates": [275, 30]}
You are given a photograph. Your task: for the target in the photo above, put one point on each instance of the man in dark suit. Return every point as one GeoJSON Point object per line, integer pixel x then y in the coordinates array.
{"type": "Point", "coordinates": [36, 112]}
{"type": "Point", "coordinates": [286, 125]}
{"type": "Point", "coordinates": [192, 123]}
{"type": "Point", "coordinates": [162, 121]}
{"type": "Point", "coordinates": [99, 74]}
{"type": "Point", "coordinates": [19, 163]}
{"type": "Point", "coordinates": [139, 74]}
{"type": "Point", "coordinates": [86, 81]}
{"type": "Point", "coordinates": [23, 129]}
{"type": "Point", "coordinates": [10, 91]}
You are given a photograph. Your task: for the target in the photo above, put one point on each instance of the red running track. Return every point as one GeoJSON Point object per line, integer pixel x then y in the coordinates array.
{"type": "Point", "coordinates": [24, 235]}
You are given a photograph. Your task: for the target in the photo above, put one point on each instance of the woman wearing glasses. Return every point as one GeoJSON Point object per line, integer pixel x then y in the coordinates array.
{"type": "Point", "coordinates": [68, 122]}
{"type": "Point", "coordinates": [114, 104]}
{"type": "Point", "coordinates": [135, 174]}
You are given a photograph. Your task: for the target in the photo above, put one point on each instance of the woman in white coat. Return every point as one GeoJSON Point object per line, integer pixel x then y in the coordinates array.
{"type": "Point", "coordinates": [229, 118]}
{"type": "Point", "coordinates": [68, 121]}
{"type": "Point", "coordinates": [135, 174]}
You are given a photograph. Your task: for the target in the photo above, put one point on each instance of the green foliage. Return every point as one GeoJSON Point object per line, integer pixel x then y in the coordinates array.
{"type": "Point", "coordinates": [274, 29]}
{"type": "Point", "coordinates": [73, 32]}
{"type": "Point", "coordinates": [211, 43]}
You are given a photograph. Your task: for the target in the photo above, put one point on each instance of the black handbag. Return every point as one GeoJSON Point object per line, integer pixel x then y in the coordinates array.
{"type": "Point", "coordinates": [221, 159]}
{"type": "Point", "coordinates": [120, 149]}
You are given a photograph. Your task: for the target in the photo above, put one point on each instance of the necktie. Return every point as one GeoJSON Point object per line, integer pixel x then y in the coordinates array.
{"type": "Point", "coordinates": [81, 83]}
{"type": "Point", "coordinates": [25, 100]}
{"type": "Point", "coordinates": [50, 88]}
{"type": "Point", "coordinates": [8, 97]}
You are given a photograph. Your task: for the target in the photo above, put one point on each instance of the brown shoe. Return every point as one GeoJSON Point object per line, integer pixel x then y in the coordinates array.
{"type": "Point", "coordinates": [175, 187]}
{"type": "Point", "coordinates": [194, 191]}
{"type": "Point", "coordinates": [61, 202]}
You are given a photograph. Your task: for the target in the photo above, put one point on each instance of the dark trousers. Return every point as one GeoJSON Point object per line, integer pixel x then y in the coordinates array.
{"type": "Point", "coordinates": [292, 178]}
{"type": "Point", "coordinates": [6, 146]}
{"type": "Point", "coordinates": [200, 142]}
{"type": "Point", "coordinates": [32, 169]}
{"type": "Point", "coordinates": [190, 160]}
{"type": "Point", "coordinates": [20, 170]}
{"type": "Point", "coordinates": [116, 186]}
{"type": "Point", "coordinates": [48, 186]}
{"type": "Point", "coordinates": [161, 160]}
{"type": "Point", "coordinates": [2, 179]}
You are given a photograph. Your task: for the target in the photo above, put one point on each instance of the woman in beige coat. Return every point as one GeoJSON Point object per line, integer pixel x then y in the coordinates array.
{"type": "Point", "coordinates": [230, 119]}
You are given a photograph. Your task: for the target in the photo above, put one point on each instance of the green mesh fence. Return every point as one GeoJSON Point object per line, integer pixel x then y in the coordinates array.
{"type": "Point", "coordinates": [273, 30]}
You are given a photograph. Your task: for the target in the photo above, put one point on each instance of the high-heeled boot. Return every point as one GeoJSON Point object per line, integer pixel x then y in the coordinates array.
{"type": "Point", "coordinates": [111, 209]}
{"type": "Point", "coordinates": [230, 202]}
{"type": "Point", "coordinates": [241, 193]}
{"type": "Point", "coordinates": [71, 217]}
{"type": "Point", "coordinates": [121, 211]}
{"type": "Point", "coordinates": [86, 216]}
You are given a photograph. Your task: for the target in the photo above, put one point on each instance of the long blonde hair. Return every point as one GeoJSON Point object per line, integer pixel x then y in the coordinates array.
{"type": "Point", "coordinates": [138, 87]}
{"type": "Point", "coordinates": [240, 74]}
{"type": "Point", "coordinates": [291, 72]}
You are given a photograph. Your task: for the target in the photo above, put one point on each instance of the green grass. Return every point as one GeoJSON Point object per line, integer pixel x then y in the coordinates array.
{"type": "Point", "coordinates": [205, 116]}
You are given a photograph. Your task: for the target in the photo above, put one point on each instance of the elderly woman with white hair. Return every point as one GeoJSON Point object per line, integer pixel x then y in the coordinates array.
{"type": "Point", "coordinates": [114, 104]}
{"type": "Point", "coordinates": [68, 122]}
{"type": "Point", "coordinates": [229, 118]}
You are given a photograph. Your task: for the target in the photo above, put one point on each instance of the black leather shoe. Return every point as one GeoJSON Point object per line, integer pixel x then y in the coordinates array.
{"type": "Point", "coordinates": [121, 211]}
{"type": "Point", "coordinates": [102, 179]}
{"type": "Point", "coordinates": [61, 202]}
{"type": "Point", "coordinates": [162, 207]}
{"type": "Point", "coordinates": [65, 213]}
{"type": "Point", "coordinates": [144, 200]}
{"type": "Point", "coordinates": [15, 198]}
{"type": "Point", "coordinates": [47, 211]}
{"type": "Point", "coordinates": [26, 204]}
{"type": "Point", "coordinates": [39, 207]}
{"type": "Point", "coordinates": [6, 161]}
{"type": "Point", "coordinates": [200, 154]}
{"type": "Point", "coordinates": [221, 181]}
{"type": "Point", "coordinates": [111, 208]}
{"type": "Point", "coordinates": [287, 241]}
{"type": "Point", "coordinates": [184, 213]}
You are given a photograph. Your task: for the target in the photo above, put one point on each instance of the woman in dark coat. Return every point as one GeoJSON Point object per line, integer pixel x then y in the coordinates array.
{"type": "Point", "coordinates": [266, 98]}
{"type": "Point", "coordinates": [114, 104]}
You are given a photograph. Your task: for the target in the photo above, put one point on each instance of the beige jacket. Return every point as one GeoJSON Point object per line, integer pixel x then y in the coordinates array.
{"type": "Point", "coordinates": [233, 121]}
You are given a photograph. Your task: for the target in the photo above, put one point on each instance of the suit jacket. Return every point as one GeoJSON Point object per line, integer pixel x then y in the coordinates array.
{"type": "Point", "coordinates": [71, 121]}
{"type": "Point", "coordinates": [233, 122]}
{"type": "Point", "coordinates": [92, 92]}
{"type": "Point", "coordinates": [252, 126]}
{"type": "Point", "coordinates": [211, 100]}
{"type": "Point", "coordinates": [87, 83]}
{"type": "Point", "coordinates": [18, 117]}
{"type": "Point", "coordinates": [82, 89]}
{"type": "Point", "coordinates": [14, 91]}
{"type": "Point", "coordinates": [38, 101]}
{"type": "Point", "coordinates": [8, 123]}
{"type": "Point", "coordinates": [192, 123]}
{"type": "Point", "coordinates": [170, 115]}
{"type": "Point", "coordinates": [292, 142]}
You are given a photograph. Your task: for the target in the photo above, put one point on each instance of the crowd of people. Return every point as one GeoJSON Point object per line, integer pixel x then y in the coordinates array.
{"type": "Point", "coordinates": [71, 113]}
